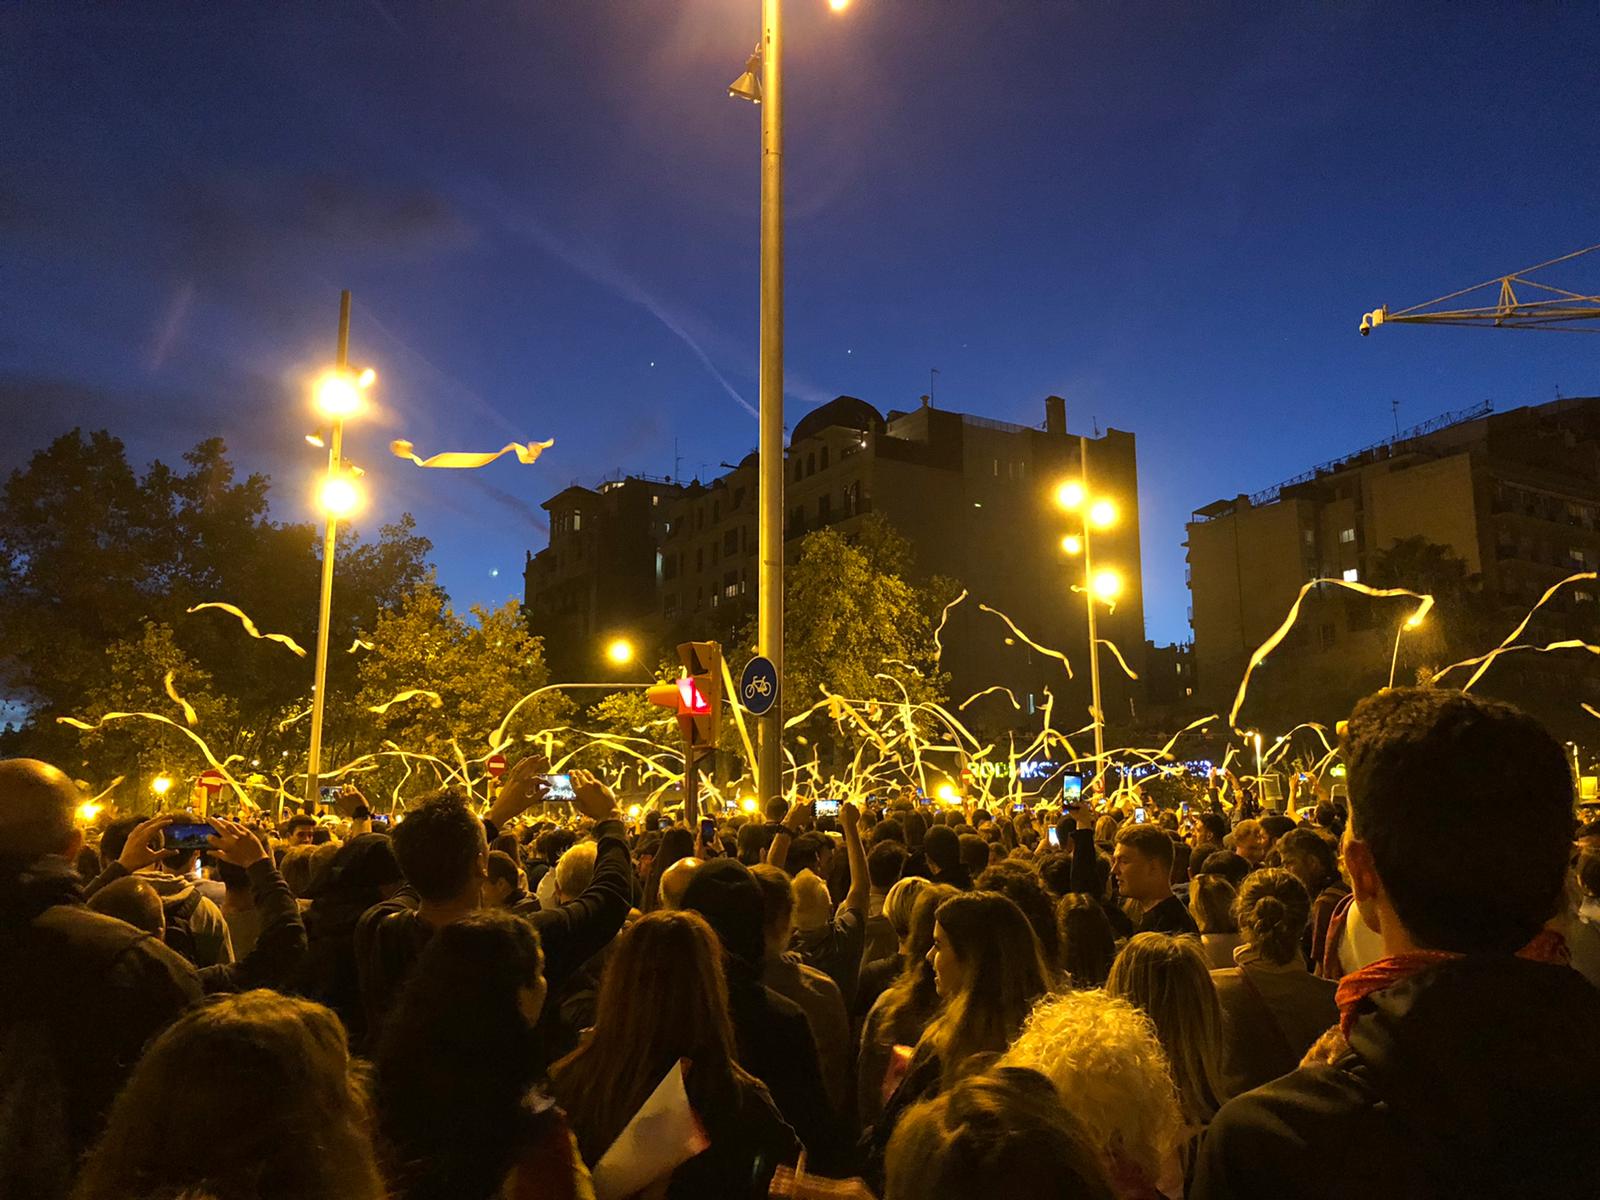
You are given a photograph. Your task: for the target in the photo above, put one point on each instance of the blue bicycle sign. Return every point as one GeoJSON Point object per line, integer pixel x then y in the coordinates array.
{"type": "Point", "coordinates": [758, 686]}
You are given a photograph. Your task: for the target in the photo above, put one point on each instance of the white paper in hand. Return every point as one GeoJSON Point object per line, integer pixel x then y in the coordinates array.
{"type": "Point", "coordinates": [663, 1135]}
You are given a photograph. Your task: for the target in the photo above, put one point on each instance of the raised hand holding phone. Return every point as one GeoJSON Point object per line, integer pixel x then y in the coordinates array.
{"type": "Point", "coordinates": [144, 846]}
{"type": "Point", "coordinates": [592, 798]}
{"type": "Point", "coordinates": [523, 785]}
{"type": "Point", "coordinates": [235, 844]}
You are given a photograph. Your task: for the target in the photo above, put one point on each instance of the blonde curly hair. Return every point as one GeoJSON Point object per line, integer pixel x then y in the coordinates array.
{"type": "Point", "coordinates": [1106, 1062]}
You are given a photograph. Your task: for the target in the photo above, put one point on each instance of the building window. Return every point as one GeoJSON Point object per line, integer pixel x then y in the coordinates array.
{"type": "Point", "coordinates": [811, 464]}
{"type": "Point", "coordinates": [1327, 633]}
{"type": "Point", "coordinates": [797, 520]}
{"type": "Point", "coordinates": [1352, 575]}
{"type": "Point", "coordinates": [797, 465]}
{"type": "Point", "coordinates": [824, 508]}
{"type": "Point", "coordinates": [669, 606]}
{"type": "Point", "coordinates": [699, 558]}
{"type": "Point", "coordinates": [655, 501]}
{"type": "Point", "coordinates": [1578, 557]}
{"type": "Point", "coordinates": [738, 497]}
{"type": "Point", "coordinates": [1582, 597]}
{"type": "Point", "coordinates": [730, 585]}
{"type": "Point", "coordinates": [995, 467]}
{"type": "Point", "coordinates": [852, 498]}
{"type": "Point", "coordinates": [668, 566]}
{"type": "Point", "coordinates": [823, 460]}
{"type": "Point", "coordinates": [1309, 537]}
{"type": "Point", "coordinates": [730, 542]}
{"type": "Point", "coordinates": [1347, 536]}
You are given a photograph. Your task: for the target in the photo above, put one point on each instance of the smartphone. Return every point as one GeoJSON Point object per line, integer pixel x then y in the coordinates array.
{"type": "Point", "coordinates": [1072, 788]}
{"type": "Point", "coordinates": [1054, 837]}
{"type": "Point", "coordinates": [708, 832]}
{"type": "Point", "coordinates": [1183, 811]}
{"type": "Point", "coordinates": [558, 789]}
{"type": "Point", "coordinates": [1020, 806]}
{"type": "Point", "coordinates": [826, 808]}
{"type": "Point", "coordinates": [329, 794]}
{"type": "Point", "coordinates": [1139, 816]}
{"type": "Point", "coordinates": [188, 835]}
{"type": "Point", "coordinates": [380, 820]}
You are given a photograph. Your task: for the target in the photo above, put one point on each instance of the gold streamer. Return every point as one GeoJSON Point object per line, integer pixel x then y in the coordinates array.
{"type": "Point", "coordinates": [732, 693]}
{"type": "Point", "coordinates": [220, 764]}
{"type": "Point", "coordinates": [250, 626]}
{"type": "Point", "coordinates": [358, 644]}
{"type": "Point", "coordinates": [527, 454]}
{"type": "Point", "coordinates": [172, 693]}
{"type": "Point", "coordinates": [938, 633]}
{"type": "Point", "coordinates": [1271, 644]}
{"type": "Point", "coordinates": [1121, 662]}
{"type": "Point", "coordinates": [1024, 638]}
{"type": "Point", "coordinates": [401, 697]}
{"type": "Point", "coordinates": [1485, 660]}
{"type": "Point", "coordinates": [1010, 695]}
{"type": "Point", "coordinates": [299, 716]}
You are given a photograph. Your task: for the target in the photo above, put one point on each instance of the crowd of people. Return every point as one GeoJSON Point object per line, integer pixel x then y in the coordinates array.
{"type": "Point", "coordinates": [1392, 997]}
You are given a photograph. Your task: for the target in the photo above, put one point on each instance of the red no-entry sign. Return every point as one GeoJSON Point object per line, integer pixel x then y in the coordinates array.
{"type": "Point", "coordinates": [212, 780]}
{"type": "Point", "coordinates": [496, 765]}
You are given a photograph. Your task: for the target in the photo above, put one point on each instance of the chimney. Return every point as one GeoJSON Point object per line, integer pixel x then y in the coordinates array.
{"type": "Point", "coordinates": [1055, 415]}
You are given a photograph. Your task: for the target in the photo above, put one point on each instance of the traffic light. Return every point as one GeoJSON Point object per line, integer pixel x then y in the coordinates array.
{"type": "Point", "coordinates": [700, 689]}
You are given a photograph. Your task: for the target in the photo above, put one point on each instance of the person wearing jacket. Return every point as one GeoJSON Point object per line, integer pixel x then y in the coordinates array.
{"type": "Point", "coordinates": [1466, 1057]}
{"type": "Point", "coordinates": [196, 927]}
{"type": "Point", "coordinates": [363, 873]}
{"type": "Point", "coordinates": [444, 853]}
{"type": "Point", "coordinates": [83, 993]}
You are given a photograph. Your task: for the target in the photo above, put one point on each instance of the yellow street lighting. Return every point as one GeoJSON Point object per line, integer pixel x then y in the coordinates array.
{"type": "Point", "coordinates": [339, 496]}
{"type": "Point", "coordinates": [1069, 495]}
{"type": "Point", "coordinates": [838, 5]}
{"type": "Point", "coordinates": [748, 804]}
{"type": "Point", "coordinates": [1102, 514]}
{"type": "Point", "coordinates": [620, 651]}
{"type": "Point", "coordinates": [633, 811]}
{"type": "Point", "coordinates": [1414, 621]}
{"type": "Point", "coordinates": [1107, 585]}
{"type": "Point", "coordinates": [88, 811]}
{"type": "Point", "coordinates": [161, 785]}
{"type": "Point", "coordinates": [1072, 544]}
{"type": "Point", "coordinates": [338, 395]}
{"type": "Point", "coordinates": [947, 793]}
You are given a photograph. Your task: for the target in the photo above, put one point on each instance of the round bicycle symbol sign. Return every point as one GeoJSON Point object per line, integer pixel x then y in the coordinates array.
{"type": "Point", "coordinates": [758, 686]}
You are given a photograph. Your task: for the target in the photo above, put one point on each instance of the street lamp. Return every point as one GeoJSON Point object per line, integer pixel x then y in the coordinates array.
{"type": "Point", "coordinates": [161, 785]}
{"type": "Point", "coordinates": [620, 652]}
{"type": "Point", "coordinates": [339, 394]}
{"type": "Point", "coordinates": [762, 83]}
{"type": "Point", "coordinates": [1104, 585]}
{"type": "Point", "coordinates": [1411, 622]}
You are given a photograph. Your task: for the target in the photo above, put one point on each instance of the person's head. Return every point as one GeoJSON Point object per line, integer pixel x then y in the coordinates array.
{"type": "Point", "coordinates": [1109, 1070]}
{"type": "Point", "coordinates": [885, 861]}
{"type": "Point", "coordinates": [752, 843]}
{"type": "Point", "coordinates": [988, 973]}
{"type": "Point", "coordinates": [1142, 862]}
{"type": "Point", "coordinates": [888, 830]}
{"type": "Point", "coordinates": [1105, 829]}
{"type": "Point", "coordinates": [503, 880]}
{"type": "Point", "coordinates": [300, 830]}
{"type": "Point", "coordinates": [916, 827]}
{"type": "Point", "coordinates": [652, 821]}
{"type": "Point", "coordinates": [1251, 841]}
{"type": "Point", "coordinates": [1005, 1129]}
{"type": "Point", "coordinates": [777, 809]}
{"type": "Point", "coordinates": [235, 880]}
{"type": "Point", "coordinates": [1211, 900]}
{"type": "Point", "coordinates": [441, 848]}
{"type": "Point", "coordinates": [812, 907]}
{"type": "Point", "coordinates": [296, 869]}
{"type": "Point", "coordinates": [914, 990]}
{"type": "Point", "coordinates": [777, 906]}
{"type": "Point", "coordinates": [1275, 825]}
{"type": "Point", "coordinates": [238, 1081]}
{"type": "Point", "coordinates": [724, 892]}
{"type": "Point", "coordinates": [1327, 817]}
{"type": "Point", "coordinates": [1225, 863]}
{"type": "Point", "coordinates": [1588, 874]}
{"type": "Point", "coordinates": [549, 846]}
{"type": "Point", "coordinates": [1167, 979]}
{"type": "Point", "coordinates": [133, 900]}
{"type": "Point", "coordinates": [898, 903]}
{"type": "Point", "coordinates": [942, 845]}
{"type": "Point", "coordinates": [974, 853]}
{"type": "Point", "coordinates": [1088, 943]}
{"type": "Point", "coordinates": [115, 838]}
{"type": "Point", "coordinates": [574, 872]}
{"type": "Point", "coordinates": [1310, 857]}
{"type": "Point", "coordinates": [1429, 771]}
{"type": "Point", "coordinates": [508, 844]}
{"type": "Point", "coordinates": [1019, 881]}
{"type": "Point", "coordinates": [676, 878]}
{"type": "Point", "coordinates": [37, 805]}
{"type": "Point", "coordinates": [1208, 829]}
{"type": "Point", "coordinates": [810, 852]}
{"type": "Point", "coordinates": [676, 843]}
{"type": "Point", "coordinates": [633, 1044]}
{"type": "Point", "coordinates": [1273, 910]}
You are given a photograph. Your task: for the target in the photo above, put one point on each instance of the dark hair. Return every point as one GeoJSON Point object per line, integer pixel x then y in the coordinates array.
{"type": "Point", "coordinates": [233, 878]}
{"type": "Point", "coordinates": [1276, 825]}
{"type": "Point", "coordinates": [916, 826]}
{"type": "Point", "coordinates": [132, 900]}
{"type": "Point", "coordinates": [1088, 943]}
{"type": "Point", "coordinates": [508, 845]}
{"type": "Point", "coordinates": [1215, 824]}
{"type": "Point", "coordinates": [752, 843]}
{"type": "Point", "coordinates": [1006, 1131]}
{"type": "Point", "coordinates": [1429, 771]}
{"type": "Point", "coordinates": [1019, 882]}
{"type": "Point", "coordinates": [777, 809]}
{"type": "Point", "coordinates": [676, 843]}
{"type": "Point", "coordinates": [1168, 820]}
{"type": "Point", "coordinates": [299, 821]}
{"type": "Point", "coordinates": [1312, 858]}
{"type": "Point", "coordinates": [1327, 817]}
{"type": "Point", "coordinates": [1273, 910]}
{"type": "Point", "coordinates": [458, 1032]}
{"type": "Point", "coordinates": [1148, 840]}
{"type": "Point", "coordinates": [553, 843]}
{"type": "Point", "coordinates": [438, 845]}
{"type": "Point", "coordinates": [777, 893]}
{"type": "Point", "coordinates": [115, 836]}
{"type": "Point", "coordinates": [885, 862]}
{"type": "Point", "coordinates": [652, 821]}
{"type": "Point", "coordinates": [912, 998]}
{"type": "Point", "coordinates": [502, 868]}
{"type": "Point", "coordinates": [974, 853]}
{"type": "Point", "coordinates": [888, 830]}
{"type": "Point", "coordinates": [942, 846]}
{"type": "Point", "coordinates": [1227, 863]}
{"type": "Point", "coordinates": [1212, 899]}
{"type": "Point", "coordinates": [1055, 868]}
{"type": "Point", "coordinates": [805, 852]}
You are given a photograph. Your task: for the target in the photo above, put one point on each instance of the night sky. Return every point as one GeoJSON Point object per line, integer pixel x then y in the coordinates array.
{"type": "Point", "coordinates": [1172, 214]}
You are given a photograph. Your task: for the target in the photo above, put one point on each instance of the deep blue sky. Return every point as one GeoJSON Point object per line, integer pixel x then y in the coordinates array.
{"type": "Point", "coordinates": [1173, 214]}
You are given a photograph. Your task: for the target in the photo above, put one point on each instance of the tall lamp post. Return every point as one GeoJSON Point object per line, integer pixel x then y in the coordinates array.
{"type": "Point", "coordinates": [1410, 622]}
{"type": "Point", "coordinates": [1102, 586]}
{"type": "Point", "coordinates": [338, 396]}
{"type": "Point", "coordinates": [762, 84]}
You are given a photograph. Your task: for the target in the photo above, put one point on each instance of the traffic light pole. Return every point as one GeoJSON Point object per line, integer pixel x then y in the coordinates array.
{"type": "Point", "coordinates": [769, 579]}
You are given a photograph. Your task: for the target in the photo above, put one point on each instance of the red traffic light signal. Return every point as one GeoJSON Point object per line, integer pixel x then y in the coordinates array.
{"type": "Point", "coordinates": [692, 701]}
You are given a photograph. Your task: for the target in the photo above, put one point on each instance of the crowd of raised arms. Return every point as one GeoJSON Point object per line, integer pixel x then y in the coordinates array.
{"type": "Point", "coordinates": [1391, 997]}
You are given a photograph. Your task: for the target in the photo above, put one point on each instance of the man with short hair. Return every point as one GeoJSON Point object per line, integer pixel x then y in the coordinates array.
{"type": "Point", "coordinates": [1251, 842]}
{"type": "Point", "coordinates": [942, 845]}
{"type": "Point", "coordinates": [502, 885]}
{"type": "Point", "coordinates": [1142, 863]}
{"type": "Point", "coordinates": [885, 861]}
{"type": "Point", "coordinates": [195, 925]}
{"type": "Point", "coordinates": [1466, 1056]}
{"type": "Point", "coordinates": [83, 992]}
{"type": "Point", "coordinates": [300, 830]}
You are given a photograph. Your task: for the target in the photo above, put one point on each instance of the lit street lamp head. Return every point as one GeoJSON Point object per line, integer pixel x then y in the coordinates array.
{"type": "Point", "coordinates": [1069, 495]}
{"type": "Point", "coordinates": [1102, 514]}
{"type": "Point", "coordinates": [161, 785]}
{"type": "Point", "coordinates": [748, 85]}
{"type": "Point", "coordinates": [838, 5]}
{"type": "Point", "coordinates": [1072, 544]}
{"type": "Point", "coordinates": [339, 496]}
{"type": "Point", "coordinates": [620, 651]}
{"type": "Point", "coordinates": [1107, 585]}
{"type": "Point", "coordinates": [339, 393]}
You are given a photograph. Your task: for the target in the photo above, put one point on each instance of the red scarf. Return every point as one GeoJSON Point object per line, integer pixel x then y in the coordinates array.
{"type": "Point", "coordinates": [1548, 946]}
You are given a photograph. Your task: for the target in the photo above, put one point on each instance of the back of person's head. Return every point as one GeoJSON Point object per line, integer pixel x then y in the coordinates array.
{"type": "Point", "coordinates": [652, 821]}
{"type": "Point", "coordinates": [1589, 875]}
{"type": "Point", "coordinates": [916, 826]}
{"type": "Point", "coordinates": [675, 881]}
{"type": "Point", "coordinates": [899, 901]}
{"type": "Point", "coordinates": [246, 1097]}
{"type": "Point", "coordinates": [1168, 820]}
{"type": "Point", "coordinates": [503, 869]}
{"type": "Point", "coordinates": [233, 878]}
{"type": "Point", "coordinates": [133, 900]}
{"type": "Point", "coordinates": [885, 861]}
{"type": "Point", "coordinates": [1167, 979]}
{"type": "Point", "coordinates": [439, 845]}
{"type": "Point", "coordinates": [1055, 869]}
{"type": "Point", "coordinates": [1019, 881]}
{"type": "Point", "coordinates": [806, 852]}
{"type": "Point", "coordinates": [1002, 975]}
{"type": "Point", "coordinates": [888, 830]}
{"type": "Point", "coordinates": [295, 868]}
{"type": "Point", "coordinates": [812, 907]}
{"type": "Point", "coordinates": [1211, 900]}
{"type": "Point", "coordinates": [1276, 825]}
{"type": "Point", "coordinates": [777, 898]}
{"type": "Point", "coordinates": [1226, 863]}
{"type": "Point", "coordinates": [676, 844]}
{"type": "Point", "coordinates": [942, 846]}
{"type": "Point", "coordinates": [1215, 826]}
{"type": "Point", "coordinates": [1273, 911]}
{"type": "Point", "coordinates": [1429, 771]}
{"type": "Point", "coordinates": [974, 853]}
{"type": "Point", "coordinates": [1311, 856]}
{"type": "Point", "coordinates": [1105, 829]}
{"type": "Point", "coordinates": [752, 843]}
{"type": "Point", "coordinates": [550, 845]}
{"type": "Point", "coordinates": [634, 1044]}
{"type": "Point", "coordinates": [777, 809]}
{"type": "Point", "coordinates": [575, 870]}
{"type": "Point", "coordinates": [725, 893]}
{"type": "Point", "coordinates": [1327, 817]}
{"type": "Point", "coordinates": [115, 837]}
{"type": "Point", "coordinates": [1149, 840]}
{"type": "Point", "coordinates": [508, 845]}
{"type": "Point", "coordinates": [913, 990]}
{"type": "Point", "coordinates": [1002, 1132]}
{"type": "Point", "coordinates": [1108, 1067]}
{"type": "Point", "coordinates": [1088, 943]}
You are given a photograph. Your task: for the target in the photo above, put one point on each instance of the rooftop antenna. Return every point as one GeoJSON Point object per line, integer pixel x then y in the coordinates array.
{"type": "Point", "coordinates": [677, 461]}
{"type": "Point", "coordinates": [1394, 409]}
{"type": "Point", "coordinates": [933, 375]}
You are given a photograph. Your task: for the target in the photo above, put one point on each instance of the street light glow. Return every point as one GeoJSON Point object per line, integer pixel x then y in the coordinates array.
{"type": "Point", "coordinates": [1072, 544]}
{"type": "Point", "coordinates": [1102, 514]}
{"type": "Point", "coordinates": [338, 395]}
{"type": "Point", "coordinates": [1413, 621]}
{"type": "Point", "coordinates": [1107, 585]}
{"type": "Point", "coordinates": [947, 793]}
{"type": "Point", "coordinates": [748, 804]}
{"type": "Point", "coordinates": [620, 651]}
{"type": "Point", "coordinates": [161, 785]}
{"type": "Point", "coordinates": [1069, 495]}
{"type": "Point", "coordinates": [88, 811]}
{"type": "Point", "coordinates": [339, 496]}
{"type": "Point", "coordinates": [838, 5]}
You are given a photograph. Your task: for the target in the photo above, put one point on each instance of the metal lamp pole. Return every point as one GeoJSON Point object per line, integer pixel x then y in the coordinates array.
{"type": "Point", "coordinates": [1088, 595]}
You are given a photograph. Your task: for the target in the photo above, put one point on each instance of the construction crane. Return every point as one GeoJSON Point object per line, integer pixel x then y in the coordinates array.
{"type": "Point", "coordinates": [1551, 308]}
